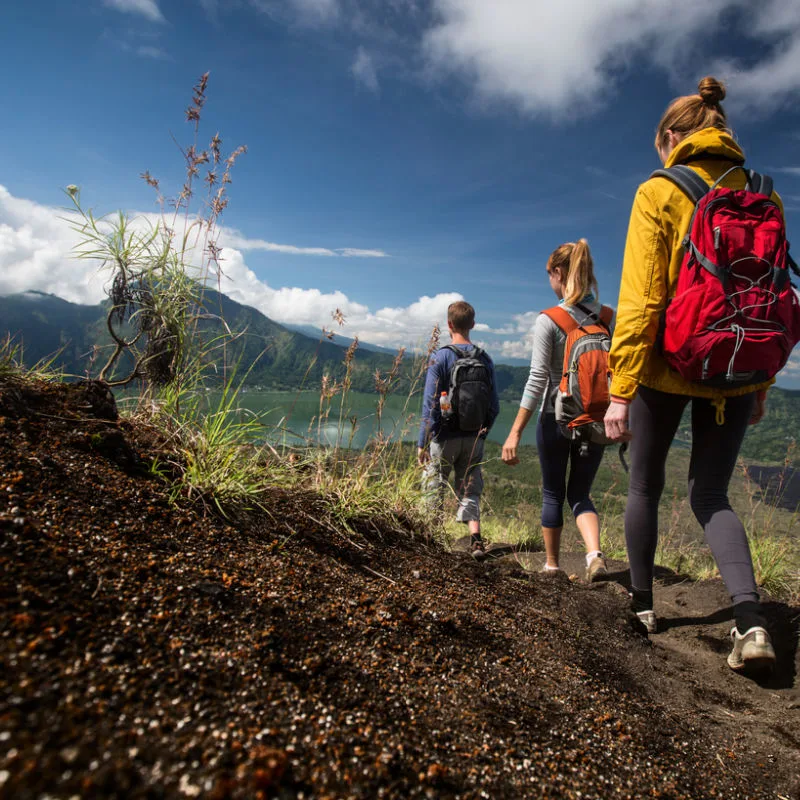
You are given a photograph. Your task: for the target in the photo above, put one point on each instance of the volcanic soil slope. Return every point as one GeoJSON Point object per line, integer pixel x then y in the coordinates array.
{"type": "Point", "coordinates": [154, 651]}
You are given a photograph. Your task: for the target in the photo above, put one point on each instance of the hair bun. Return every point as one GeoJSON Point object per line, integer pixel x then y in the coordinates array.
{"type": "Point", "coordinates": [711, 91]}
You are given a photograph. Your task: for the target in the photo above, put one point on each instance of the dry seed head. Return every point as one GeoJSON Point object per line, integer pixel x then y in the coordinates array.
{"type": "Point", "coordinates": [216, 144]}
{"type": "Point", "coordinates": [213, 251]}
{"type": "Point", "coordinates": [338, 317]}
{"type": "Point", "coordinates": [351, 351]}
{"type": "Point", "coordinates": [231, 159]}
{"type": "Point", "coordinates": [380, 440]}
{"type": "Point", "coordinates": [328, 334]}
{"type": "Point", "coordinates": [329, 388]}
{"type": "Point", "coordinates": [433, 342]}
{"type": "Point", "coordinates": [381, 383]}
{"type": "Point", "coordinates": [198, 99]}
{"type": "Point", "coordinates": [149, 179]}
{"type": "Point", "coordinates": [398, 359]}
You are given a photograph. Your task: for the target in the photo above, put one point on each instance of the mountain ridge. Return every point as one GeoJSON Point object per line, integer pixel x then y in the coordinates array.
{"type": "Point", "coordinates": [44, 324]}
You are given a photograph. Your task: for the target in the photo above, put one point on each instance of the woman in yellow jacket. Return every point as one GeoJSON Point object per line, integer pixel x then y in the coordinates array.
{"type": "Point", "coordinates": [648, 398]}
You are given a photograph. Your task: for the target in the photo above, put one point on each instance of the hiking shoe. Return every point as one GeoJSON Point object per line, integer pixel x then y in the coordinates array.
{"type": "Point", "coordinates": [478, 550]}
{"type": "Point", "coordinates": [597, 570]}
{"type": "Point", "coordinates": [648, 619]}
{"type": "Point", "coordinates": [548, 570]}
{"type": "Point", "coordinates": [752, 650]}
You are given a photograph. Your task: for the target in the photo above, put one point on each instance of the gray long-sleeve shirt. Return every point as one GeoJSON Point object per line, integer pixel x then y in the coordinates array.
{"type": "Point", "coordinates": [547, 358]}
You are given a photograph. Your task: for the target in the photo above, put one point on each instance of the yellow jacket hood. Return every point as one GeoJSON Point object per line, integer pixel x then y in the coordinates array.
{"type": "Point", "coordinates": [709, 143]}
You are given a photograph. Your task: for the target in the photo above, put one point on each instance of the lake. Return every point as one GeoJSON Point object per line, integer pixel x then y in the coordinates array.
{"type": "Point", "coordinates": [295, 417]}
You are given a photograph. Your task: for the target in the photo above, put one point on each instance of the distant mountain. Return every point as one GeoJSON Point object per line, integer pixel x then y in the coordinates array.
{"type": "Point", "coordinates": [342, 341]}
{"type": "Point", "coordinates": [43, 324]}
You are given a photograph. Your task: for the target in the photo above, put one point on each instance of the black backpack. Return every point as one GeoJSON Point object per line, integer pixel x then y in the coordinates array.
{"type": "Point", "coordinates": [470, 392]}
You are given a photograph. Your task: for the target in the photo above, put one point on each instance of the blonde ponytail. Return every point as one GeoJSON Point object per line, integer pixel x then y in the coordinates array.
{"type": "Point", "coordinates": [574, 260]}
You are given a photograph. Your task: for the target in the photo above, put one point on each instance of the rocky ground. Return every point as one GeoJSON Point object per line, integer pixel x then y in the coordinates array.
{"type": "Point", "coordinates": [155, 652]}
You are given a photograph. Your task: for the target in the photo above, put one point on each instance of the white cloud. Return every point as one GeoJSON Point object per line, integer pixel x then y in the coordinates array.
{"type": "Point", "coordinates": [354, 252]}
{"type": "Point", "coordinates": [520, 324]}
{"type": "Point", "coordinates": [521, 328]}
{"type": "Point", "coordinates": [145, 8]}
{"type": "Point", "coordinates": [36, 243]}
{"type": "Point", "coordinates": [563, 59]}
{"type": "Point", "coordinates": [231, 238]}
{"type": "Point", "coordinates": [515, 349]}
{"type": "Point", "coordinates": [364, 71]}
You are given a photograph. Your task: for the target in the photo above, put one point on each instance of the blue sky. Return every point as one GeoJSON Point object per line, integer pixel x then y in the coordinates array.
{"type": "Point", "coordinates": [400, 152]}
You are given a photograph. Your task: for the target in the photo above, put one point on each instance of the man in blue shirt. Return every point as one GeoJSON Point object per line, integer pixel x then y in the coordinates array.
{"type": "Point", "coordinates": [443, 443]}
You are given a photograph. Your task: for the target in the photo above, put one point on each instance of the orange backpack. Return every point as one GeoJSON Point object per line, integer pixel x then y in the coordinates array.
{"type": "Point", "coordinates": [583, 396]}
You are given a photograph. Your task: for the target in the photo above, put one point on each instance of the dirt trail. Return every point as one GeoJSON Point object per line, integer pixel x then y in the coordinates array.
{"type": "Point", "coordinates": [687, 662]}
{"type": "Point", "coordinates": [149, 651]}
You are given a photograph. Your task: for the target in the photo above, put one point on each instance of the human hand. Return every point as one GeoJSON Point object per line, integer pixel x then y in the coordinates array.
{"type": "Point", "coordinates": [616, 421]}
{"type": "Point", "coordinates": [423, 456]}
{"type": "Point", "coordinates": [509, 454]}
{"type": "Point", "coordinates": [759, 409]}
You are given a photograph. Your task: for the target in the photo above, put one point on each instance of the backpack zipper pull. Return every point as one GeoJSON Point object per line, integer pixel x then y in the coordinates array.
{"type": "Point", "coordinates": [717, 235]}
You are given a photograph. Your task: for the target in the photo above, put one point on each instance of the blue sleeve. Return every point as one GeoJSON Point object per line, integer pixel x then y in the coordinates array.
{"type": "Point", "coordinates": [431, 418]}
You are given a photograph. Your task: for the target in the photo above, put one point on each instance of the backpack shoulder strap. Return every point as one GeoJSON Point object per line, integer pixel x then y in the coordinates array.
{"type": "Point", "coordinates": [686, 179]}
{"type": "Point", "coordinates": [562, 318]}
{"type": "Point", "coordinates": [760, 184]}
{"type": "Point", "coordinates": [476, 351]}
{"type": "Point", "coordinates": [453, 349]}
{"type": "Point", "coordinates": [603, 318]}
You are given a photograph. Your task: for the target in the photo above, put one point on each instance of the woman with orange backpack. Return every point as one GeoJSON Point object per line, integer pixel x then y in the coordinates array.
{"type": "Point", "coordinates": [706, 316]}
{"type": "Point", "coordinates": [568, 464]}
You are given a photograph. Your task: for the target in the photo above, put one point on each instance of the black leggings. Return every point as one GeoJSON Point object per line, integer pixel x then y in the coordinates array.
{"type": "Point", "coordinates": [654, 419]}
{"type": "Point", "coordinates": [557, 455]}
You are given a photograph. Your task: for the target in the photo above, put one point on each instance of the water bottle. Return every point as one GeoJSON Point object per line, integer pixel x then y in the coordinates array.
{"type": "Point", "coordinates": [444, 405]}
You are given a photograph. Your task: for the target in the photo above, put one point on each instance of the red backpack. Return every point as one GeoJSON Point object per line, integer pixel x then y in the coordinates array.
{"type": "Point", "coordinates": [735, 317]}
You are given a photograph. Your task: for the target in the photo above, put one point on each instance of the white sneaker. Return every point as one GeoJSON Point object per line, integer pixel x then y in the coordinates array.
{"type": "Point", "coordinates": [648, 619]}
{"type": "Point", "coordinates": [596, 570]}
{"type": "Point", "coordinates": [752, 650]}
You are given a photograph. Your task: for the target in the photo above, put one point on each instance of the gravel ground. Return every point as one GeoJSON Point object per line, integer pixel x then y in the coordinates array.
{"type": "Point", "coordinates": [150, 651]}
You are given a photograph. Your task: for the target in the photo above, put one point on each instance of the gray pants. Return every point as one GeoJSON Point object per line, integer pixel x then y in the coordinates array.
{"type": "Point", "coordinates": [463, 454]}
